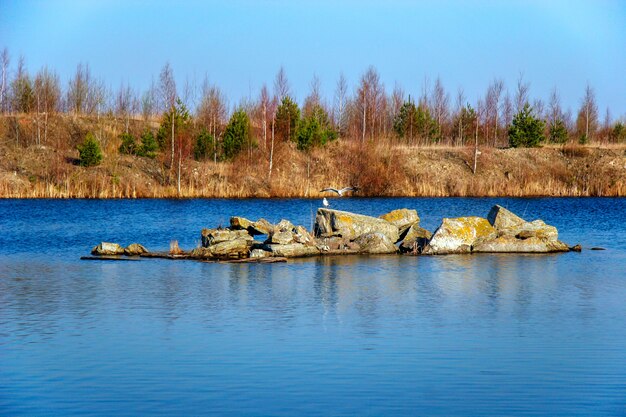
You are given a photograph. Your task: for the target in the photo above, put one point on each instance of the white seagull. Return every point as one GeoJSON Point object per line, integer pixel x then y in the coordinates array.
{"type": "Point", "coordinates": [341, 191]}
{"type": "Point", "coordinates": [325, 202]}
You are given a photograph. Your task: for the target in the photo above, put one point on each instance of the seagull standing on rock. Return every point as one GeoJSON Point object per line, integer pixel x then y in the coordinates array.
{"type": "Point", "coordinates": [340, 191]}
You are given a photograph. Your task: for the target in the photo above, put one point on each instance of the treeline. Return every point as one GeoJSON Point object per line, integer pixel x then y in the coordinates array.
{"type": "Point", "coordinates": [198, 121]}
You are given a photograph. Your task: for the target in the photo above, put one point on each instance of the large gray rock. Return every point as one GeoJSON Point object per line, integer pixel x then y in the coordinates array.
{"type": "Point", "coordinates": [375, 243]}
{"type": "Point", "coordinates": [415, 239]}
{"type": "Point", "coordinates": [292, 250]}
{"type": "Point", "coordinates": [282, 234]}
{"type": "Point", "coordinates": [459, 235]}
{"type": "Point", "coordinates": [509, 224]}
{"type": "Point", "coordinates": [403, 219]}
{"type": "Point", "coordinates": [511, 244]}
{"type": "Point", "coordinates": [135, 249]}
{"type": "Point", "coordinates": [260, 253]}
{"type": "Point", "coordinates": [107, 248]}
{"type": "Point", "coordinates": [235, 248]}
{"type": "Point", "coordinates": [329, 222]}
{"type": "Point", "coordinates": [501, 218]}
{"type": "Point", "coordinates": [215, 236]}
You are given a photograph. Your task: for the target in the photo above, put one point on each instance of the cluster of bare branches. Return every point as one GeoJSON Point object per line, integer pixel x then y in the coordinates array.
{"type": "Point", "coordinates": [369, 113]}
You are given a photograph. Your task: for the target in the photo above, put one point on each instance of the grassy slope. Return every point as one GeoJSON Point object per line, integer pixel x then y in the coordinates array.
{"type": "Point", "coordinates": [28, 170]}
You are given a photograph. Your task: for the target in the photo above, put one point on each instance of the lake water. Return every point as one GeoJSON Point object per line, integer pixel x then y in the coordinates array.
{"type": "Point", "coordinates": [380, 335]}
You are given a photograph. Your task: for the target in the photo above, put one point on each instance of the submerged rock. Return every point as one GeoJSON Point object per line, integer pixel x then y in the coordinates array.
{"type": "Point", "coordinates": [459, 235]}
{"type": "Point", "coordinates": [375, 243]}
{"type": "Point", "coordinates": [235, 248]}
{"type": "Point", "coordinates": [107, 248]}
{"type": "Point", "coordinates": [135, 249]}
{"type": "Point", "coordinates": [403, 219]}
{"type": "Point", "coordinates": [292, 250]}
{"type": "Point", "coordinates": [329, 222]}
{"type": "Point", "coordinates": [511, 244]}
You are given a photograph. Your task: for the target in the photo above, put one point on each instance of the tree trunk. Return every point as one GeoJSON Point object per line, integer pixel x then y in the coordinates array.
{"type": "Point", "coordinates": [269, 176]}
{"type": "Point", "coordinates": [264, 126]}
{"type": "Point", "coordinates": [363, 133]}
{"type": "Point", "coordinates": [172, 158]}
{"type": "Point", "coordinates": [180, 158]}
{"type": "Point", "coordinates": [38, 122]}
{"type": "Point", "coordinates": [475, 148]}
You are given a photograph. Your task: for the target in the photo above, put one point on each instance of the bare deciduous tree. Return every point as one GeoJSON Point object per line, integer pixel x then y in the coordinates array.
{"type": "Point", "coordinates": [48, 96]}
{"type": "Point", "coordinates": [212, 112]}
{"type": "Point", "coordinates": [149, 102]}
{"type": "Point", "coordinates": [341, 95]}
{"type": "Point", "coordinates": [521, 93]}
{"type": "Point", "coordinates": [314, 99]}
{"type": "Point", "coordinates": [281, 85]}
{"type": "Point", "coordinates": [4, 68]}
{"type": "Point", "coordinates": [587, 122]}
{"type": "Point", "coordinates": [492, 105]}
{"type": "Point", "coordinates": [124, 104]}
{"type": "Point", "coordinates": [167, 89]}
{"type": "Point", "coordinates": [439, 100]}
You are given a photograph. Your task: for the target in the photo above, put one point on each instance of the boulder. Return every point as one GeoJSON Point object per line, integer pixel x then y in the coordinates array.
{"type": "Point", "coordinates": [334, 243]}
{"type": "Point", "coordinates": [501, 218]}
{"type": "Point", "coordinates": [292, 250]}
{"type": "Point", "coordinates": [301, 235]}
{"type": "Point", "coordinates": [235, 248]}
{"type": "Point", "coordinates": [403, 219]}
{"type": "Point", "coordinates": [415, 239]}
{"type": "Point", "coordinates": [107, 248]}
{"type": "Point", "coordinates": [285, 233]}
{"type": "Point", "coordinates": [459, 235]}
{"type": "Point", "coordinates": [507, 243]}
{"type": "Point", "coordinates": [215, 236]}
{"type": "Point", "coordinates": [259, 253]}
{"type": "Point", "coordinates": [509, 224]}
{"type": "Point", "coordinates": [375, 243]}
{"type": "Point", "coordinates": [260, 227]}
{"type": "Point", "coordinates": [329, 222]}
{"type": "Point", "coordinates": [135, 249]}
{"type": "Point", "coordinates": [282, 234]}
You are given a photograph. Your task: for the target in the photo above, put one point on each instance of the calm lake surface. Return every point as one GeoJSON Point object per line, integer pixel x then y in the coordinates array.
{"type": "Point", "coordinates": [450, 335]}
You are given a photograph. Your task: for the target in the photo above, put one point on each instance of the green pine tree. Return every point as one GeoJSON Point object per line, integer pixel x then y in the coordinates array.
{"type": "Point", "coordinates": [315, 130]}
{"type": "Point", "coordinates": [203, 146]}
{"type": "Point", "coordinates": [148, 146]}
{"type": "Point", "coordinates": [129, 144]}
{"type": "Point", "coordinates": [558, 132]}
{"type": "Point", "coordinates": [526, 130]}
{"type": "Point", "coordinates": [287, 118]}
{"type": "Point", "coordinates": [236, 134]}
{"type": "Point", "coordinates": [89, 151]}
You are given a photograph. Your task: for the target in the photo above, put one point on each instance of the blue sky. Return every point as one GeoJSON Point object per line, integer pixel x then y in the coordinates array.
{"type": "Point", "coordinates": [241, 44]}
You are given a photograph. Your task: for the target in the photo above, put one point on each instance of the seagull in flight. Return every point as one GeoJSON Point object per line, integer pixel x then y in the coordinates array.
{"type": "Point", "coordinates": [341, 191]}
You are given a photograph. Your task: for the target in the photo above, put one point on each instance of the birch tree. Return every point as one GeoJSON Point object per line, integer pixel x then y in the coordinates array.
{"type": "Point", "coordinates": [167, 89]}
{"type": "Point", "coordinates": [4, 69]}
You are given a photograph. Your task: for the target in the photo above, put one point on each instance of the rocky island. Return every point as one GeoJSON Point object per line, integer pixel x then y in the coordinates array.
{"type": "Point", "coordinates": [343, 233]}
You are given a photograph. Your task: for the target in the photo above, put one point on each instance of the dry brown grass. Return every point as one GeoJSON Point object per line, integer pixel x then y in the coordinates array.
{"type": "Point", "coordinates": [384, 168]}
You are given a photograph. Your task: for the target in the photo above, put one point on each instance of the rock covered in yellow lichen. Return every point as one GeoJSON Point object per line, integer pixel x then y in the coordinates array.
{"type": "Point", "coordinates": [458, 235]}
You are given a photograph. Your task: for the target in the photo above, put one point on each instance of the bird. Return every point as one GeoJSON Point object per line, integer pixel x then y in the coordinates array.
{"type": "Point", "coordinates": [325, 202]}
{"type": "Point", "coordinates": [341, 191]}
